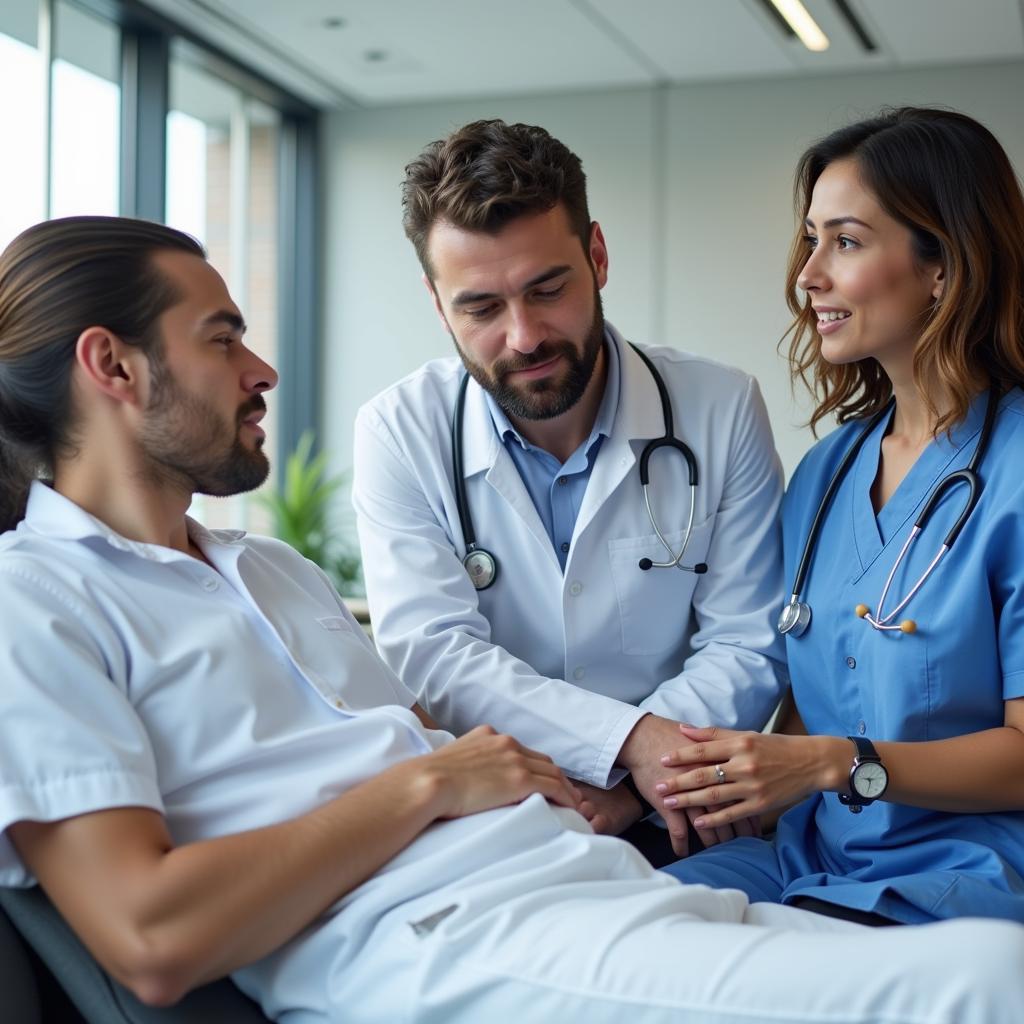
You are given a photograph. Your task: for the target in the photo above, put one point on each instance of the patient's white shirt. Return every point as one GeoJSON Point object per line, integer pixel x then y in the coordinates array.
{"type": "Point", "coordinates": [229, 699]}
{"type": "Point", "coordinates": [134, 674]}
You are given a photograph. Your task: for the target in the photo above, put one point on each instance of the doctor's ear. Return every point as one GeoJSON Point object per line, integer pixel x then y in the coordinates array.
{"type": "Point", "coordinates": [598, 253]}
{"type": "Point", "coordinates": [110, 366]}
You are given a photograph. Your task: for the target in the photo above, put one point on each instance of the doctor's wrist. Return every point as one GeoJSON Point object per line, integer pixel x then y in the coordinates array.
{"type": "Point", "coordinates": [636, 751]}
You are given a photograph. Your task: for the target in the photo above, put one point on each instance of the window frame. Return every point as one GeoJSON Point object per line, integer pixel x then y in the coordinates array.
{"type": "Point", "coordinates": [146, 52]}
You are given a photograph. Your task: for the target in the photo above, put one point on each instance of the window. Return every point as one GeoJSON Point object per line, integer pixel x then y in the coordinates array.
{"type": "Point", "coordinates": [22, 124]}
{"type": "Point", "coordinates": [86, 118]}
{"type": "Point", "coordinates": [111, 108]}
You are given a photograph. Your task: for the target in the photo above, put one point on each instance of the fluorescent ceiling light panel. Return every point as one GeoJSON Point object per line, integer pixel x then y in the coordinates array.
{"type": "Point", "coordinates": [800, 21]}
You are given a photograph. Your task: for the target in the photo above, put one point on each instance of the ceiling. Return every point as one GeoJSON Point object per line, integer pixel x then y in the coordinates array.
{"type": "Point", "coordinates": [367, 53]}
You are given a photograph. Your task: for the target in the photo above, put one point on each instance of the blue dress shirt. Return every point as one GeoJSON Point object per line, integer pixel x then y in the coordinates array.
{"type": "Point", "coordinates": [555, 488]}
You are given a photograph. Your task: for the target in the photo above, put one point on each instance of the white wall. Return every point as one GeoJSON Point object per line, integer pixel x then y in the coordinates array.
{"type": "Point", "coordinates": [692, 185]}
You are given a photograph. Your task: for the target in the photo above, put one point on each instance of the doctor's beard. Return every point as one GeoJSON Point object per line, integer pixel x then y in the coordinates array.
{"type": "Point", "coordinates": [550, 397]}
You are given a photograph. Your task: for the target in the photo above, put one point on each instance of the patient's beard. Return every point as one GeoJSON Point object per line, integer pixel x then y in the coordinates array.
{"type": "Point", "coordinates": [188, 443]}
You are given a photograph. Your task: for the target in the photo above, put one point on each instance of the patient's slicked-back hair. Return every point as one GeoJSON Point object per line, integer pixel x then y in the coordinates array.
{"type": "Point", "coordinates": [485, 175]}
{"type": "Point", "coordinates": [57, 279]}
{"type": "Point", "coordinates": [948, 180]}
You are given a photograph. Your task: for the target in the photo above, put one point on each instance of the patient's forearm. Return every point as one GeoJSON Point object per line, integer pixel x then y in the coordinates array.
{"type": "Point", "coordinates": [164, 919]}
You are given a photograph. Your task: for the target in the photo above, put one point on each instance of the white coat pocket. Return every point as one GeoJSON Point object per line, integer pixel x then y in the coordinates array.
{"type": "Point", "coordinates": [654, 606]}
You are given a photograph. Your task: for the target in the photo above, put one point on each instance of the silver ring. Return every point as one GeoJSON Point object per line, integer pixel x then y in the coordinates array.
{"type": "Point", "coordinates": [720, 772]}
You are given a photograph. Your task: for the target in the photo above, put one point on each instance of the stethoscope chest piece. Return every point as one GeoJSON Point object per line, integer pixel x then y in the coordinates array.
{"type": "Point", "coordinates": [794, 618]}
{"type": "Point", "coordinates": [482, 568]}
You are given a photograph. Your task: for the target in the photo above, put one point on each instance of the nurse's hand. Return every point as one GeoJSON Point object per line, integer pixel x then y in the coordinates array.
{"type": "Point", "coordinates": [642, 754]}
{"type": "Point", "coordinates": [609, 811]}
{"type": "Point", "coordinates": [752, 772]}
{"type": "Point", "coordinates": [484, 769]}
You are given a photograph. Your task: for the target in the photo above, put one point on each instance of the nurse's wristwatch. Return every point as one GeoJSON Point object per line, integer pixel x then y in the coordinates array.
{"type": "Point", "coordinates": [868, 777]}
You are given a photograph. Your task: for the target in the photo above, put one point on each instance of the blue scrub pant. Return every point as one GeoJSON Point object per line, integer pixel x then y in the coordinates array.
{"type": "Point", "coordinates": [750, 865]}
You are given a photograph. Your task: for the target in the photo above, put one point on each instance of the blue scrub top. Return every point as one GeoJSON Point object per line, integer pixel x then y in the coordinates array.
{"type": "Point", "coordinates": [949, 678]}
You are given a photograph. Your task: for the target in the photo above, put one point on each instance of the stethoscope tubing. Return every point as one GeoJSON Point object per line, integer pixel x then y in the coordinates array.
{"type": "Point", "coordinates": [796, 614]}
{"type": "Point", "coordinates": [475, 555]}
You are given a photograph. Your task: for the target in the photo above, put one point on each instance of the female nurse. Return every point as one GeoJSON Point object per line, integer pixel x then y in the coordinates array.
{"type": "Point", "coordinates": [903, 765]}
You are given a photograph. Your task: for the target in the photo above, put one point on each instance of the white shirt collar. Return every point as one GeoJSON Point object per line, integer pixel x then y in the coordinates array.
{"type": "Point", "coordinates": [51, 514]}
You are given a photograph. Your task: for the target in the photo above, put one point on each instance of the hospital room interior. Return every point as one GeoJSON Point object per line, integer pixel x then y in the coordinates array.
{"type": "Point", "coordinates": [277, 134]}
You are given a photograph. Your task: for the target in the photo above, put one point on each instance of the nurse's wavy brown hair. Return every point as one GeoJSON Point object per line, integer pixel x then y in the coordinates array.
{"type": "Point", "coordinates": [486, 174]}
{"type": "Point", "coordinates": [946, 178]}
{"type": "Point", "coordinates": [56, 279]}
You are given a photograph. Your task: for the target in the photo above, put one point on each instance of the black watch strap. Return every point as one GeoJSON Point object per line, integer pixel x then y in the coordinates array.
{"type": "Point", "coordinates": [865, 749]}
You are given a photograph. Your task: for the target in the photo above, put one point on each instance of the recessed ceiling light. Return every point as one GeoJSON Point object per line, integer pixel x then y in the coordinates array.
{"type": "Point", "coordinates": [801, 22]}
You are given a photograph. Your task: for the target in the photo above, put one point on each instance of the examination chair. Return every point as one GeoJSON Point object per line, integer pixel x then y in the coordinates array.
{"type": "Point", "coordinates": [48, 977]}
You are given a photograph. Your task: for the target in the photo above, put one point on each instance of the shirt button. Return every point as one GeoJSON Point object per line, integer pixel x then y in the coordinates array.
{"type": "Point", "coordinates": [210, 585]}
{"type": "Point", "coordinates": [576, 588]}
{"type": "Point", "coordinates": [562, 481]}
{"type": "Point", "coordinates": [862, 727]}
{"type": "Point", "coordinates": [851, 662]}
{"type": "Point", "coordinates": [565, 545]}
{"type": "Point", "coordinates": [579, 673]}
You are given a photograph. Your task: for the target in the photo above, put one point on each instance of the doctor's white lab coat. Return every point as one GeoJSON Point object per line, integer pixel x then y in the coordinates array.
{"type": "Point", "coordinates": [568, 663]}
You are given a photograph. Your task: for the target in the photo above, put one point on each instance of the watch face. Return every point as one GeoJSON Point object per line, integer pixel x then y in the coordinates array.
{"type": "Point", "coordinates": [870, 779]}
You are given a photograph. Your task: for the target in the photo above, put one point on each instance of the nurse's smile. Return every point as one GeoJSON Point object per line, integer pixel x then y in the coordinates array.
{"type": "Point", "coordinates": [830, 320]}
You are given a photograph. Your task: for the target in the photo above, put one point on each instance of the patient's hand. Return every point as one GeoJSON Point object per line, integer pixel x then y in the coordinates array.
{"type": "Point", "coordinates": [484, 769]}
{"type": "Point", "coordinates": [609, 811]}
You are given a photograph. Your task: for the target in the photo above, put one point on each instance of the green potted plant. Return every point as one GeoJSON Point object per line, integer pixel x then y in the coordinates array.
{"type": "Point", "coordinates": [306, 513]}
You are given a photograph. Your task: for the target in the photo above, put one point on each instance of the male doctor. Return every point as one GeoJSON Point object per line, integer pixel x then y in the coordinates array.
{"type": "Point", "coordinates": [553, 630]}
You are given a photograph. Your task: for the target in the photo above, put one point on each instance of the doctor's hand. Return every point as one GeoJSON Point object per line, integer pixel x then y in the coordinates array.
{"type": "Point", "coordinates": [751, 772]}
{"type": "Point", "coordinates": [609, 811]}
{"type": "Point", "coordinates": [484, 769]}
{"type": "Point", "coordinates": [651, 739]}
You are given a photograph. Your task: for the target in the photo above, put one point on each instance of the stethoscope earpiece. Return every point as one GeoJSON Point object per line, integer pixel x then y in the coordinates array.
{"type": "Point", "coordinates": [862, 611]}
{"type": "Point", "coordinates": [700, 568]}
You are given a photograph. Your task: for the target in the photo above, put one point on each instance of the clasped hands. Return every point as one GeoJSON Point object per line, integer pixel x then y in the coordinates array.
{"type": "Point", "coordinates": [730, 776]}
{"type": "Point", "coordinates": [644, 755]}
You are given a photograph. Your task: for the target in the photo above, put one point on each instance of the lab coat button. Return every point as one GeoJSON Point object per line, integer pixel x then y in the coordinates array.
{"type": "Point", "coordinates": [338, 703]}
{"type": "Point", "coordinates": [851, 662]}
{"type": "Point", "coordinates": [576, 588]}
{"type": "Point", "coordinates": [210, 585]}
{"type": "Point", "coordinates": [579, 673]}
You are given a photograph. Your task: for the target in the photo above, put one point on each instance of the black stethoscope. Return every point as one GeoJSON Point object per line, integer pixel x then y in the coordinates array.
{"type": "Point", "coordinates": [482, 566]}
{"type": "Point", "coordinates": [796, 616]}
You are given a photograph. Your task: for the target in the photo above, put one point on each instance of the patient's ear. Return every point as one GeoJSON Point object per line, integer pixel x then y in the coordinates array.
{"type": "Point", "coordinates": [108, 366]}
{"type": "Point", "coordinates": [938, 279]}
